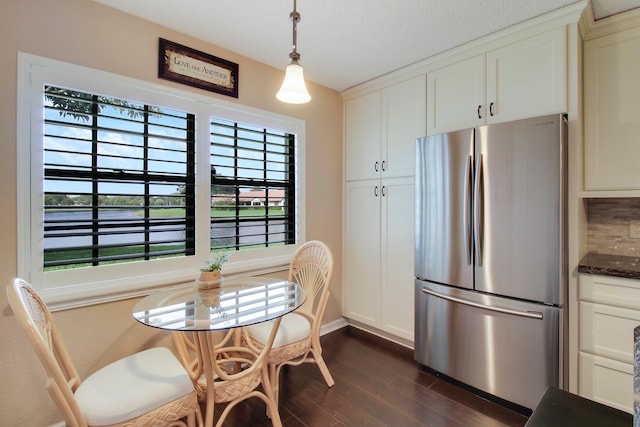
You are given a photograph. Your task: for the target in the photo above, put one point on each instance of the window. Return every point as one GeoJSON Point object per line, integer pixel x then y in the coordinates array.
{"type": "Point", "coordinates": [118, 180]}
{"type": "Point", "coordinates": [252, 186]}
{"type": "Point", "coordinates": [112, 201]}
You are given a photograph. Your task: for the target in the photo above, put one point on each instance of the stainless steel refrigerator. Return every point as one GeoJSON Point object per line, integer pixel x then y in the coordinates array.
{"type": "Point", "coordinates": [490, 258]}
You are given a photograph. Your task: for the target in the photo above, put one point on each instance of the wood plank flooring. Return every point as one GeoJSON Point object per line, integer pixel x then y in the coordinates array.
{"type": "Point", "coordinates": [377, 384]}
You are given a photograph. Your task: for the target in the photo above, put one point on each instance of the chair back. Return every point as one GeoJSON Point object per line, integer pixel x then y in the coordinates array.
{"type": "Point", "coordinates": [312, 268]}
{"type": "Point", "coordinates": [41, 331]}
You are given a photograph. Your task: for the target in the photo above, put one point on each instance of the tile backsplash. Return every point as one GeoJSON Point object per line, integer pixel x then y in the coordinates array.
{"type": "Point", "coordinates": [609, 226]}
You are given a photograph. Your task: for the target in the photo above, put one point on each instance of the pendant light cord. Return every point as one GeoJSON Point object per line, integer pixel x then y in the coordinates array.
{"type": "Point", "coordinates": [295, 18]}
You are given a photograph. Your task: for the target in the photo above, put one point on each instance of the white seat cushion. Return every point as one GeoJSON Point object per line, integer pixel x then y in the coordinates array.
{"type": "Point", "coordinates": [132, 386]}
{"type": "Point", "coordinates": [293, 327]}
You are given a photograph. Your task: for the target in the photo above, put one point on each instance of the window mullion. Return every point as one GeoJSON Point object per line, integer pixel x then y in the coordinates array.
{"type": "Point", "coordinates": [290, 189]}
{"type": "Point", "coordinates": [266, 187]}
{"type": "Point", "coordinates": [236, 186]}
{"type": "Point", "coordinates": [147, 197]}
{"type": "Point", "coordinates": [95, 203]}
{"type": "Point", "coordinates": [190, 188]}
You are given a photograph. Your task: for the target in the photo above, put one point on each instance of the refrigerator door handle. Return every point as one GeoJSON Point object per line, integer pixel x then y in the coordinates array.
{"type": "Point", "coordinates": [529, 314]}
{"type": "Point", "coordinates": [468, 234]}
{"type": "Point", "coordinates": [478, 213]}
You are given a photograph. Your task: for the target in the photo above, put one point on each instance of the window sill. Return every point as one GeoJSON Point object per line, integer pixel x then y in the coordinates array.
{"type": "Point", "coordinates": [65, 298]}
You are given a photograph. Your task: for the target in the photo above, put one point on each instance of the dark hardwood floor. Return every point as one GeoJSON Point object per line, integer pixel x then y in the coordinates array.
{"type": "Point", "coordinates": [377, 384]}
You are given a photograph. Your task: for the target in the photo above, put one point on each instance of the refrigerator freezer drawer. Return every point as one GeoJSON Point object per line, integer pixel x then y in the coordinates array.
{"type": "Point", "coordinates": [507, 348]}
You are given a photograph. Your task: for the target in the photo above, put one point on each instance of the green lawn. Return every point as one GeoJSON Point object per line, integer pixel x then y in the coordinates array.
{"type": "Point", "coordinates": [131, 250]}
{"type": "Point", "coordinates": [216, 212]}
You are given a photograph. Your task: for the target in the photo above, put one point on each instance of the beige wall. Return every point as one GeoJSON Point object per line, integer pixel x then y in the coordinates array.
{"type": "Point", "coordinates": [86, 33]}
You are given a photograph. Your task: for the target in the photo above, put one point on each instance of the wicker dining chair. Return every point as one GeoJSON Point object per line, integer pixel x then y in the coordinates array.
{"type": "Point", "coordinates": [149, 388]}
{"type": "Point", "coordinates": [298, 337]}
{"type": "Point", "coordinates": [238, 368]}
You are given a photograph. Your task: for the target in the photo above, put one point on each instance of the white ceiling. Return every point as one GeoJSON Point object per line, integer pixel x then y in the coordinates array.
{"type": "Point", "coordinates": [346, 42]}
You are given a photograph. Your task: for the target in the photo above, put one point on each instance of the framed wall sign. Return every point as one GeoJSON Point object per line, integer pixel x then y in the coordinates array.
{"type": "Point", "coordinates": [198, 69]}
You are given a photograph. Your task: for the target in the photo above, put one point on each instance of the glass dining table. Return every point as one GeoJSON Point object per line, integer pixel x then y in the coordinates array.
{"type": "Point", "coordinates": [237, 302]}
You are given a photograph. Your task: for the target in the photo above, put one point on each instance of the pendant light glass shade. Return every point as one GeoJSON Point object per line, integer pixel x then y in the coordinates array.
{"type": "Point", "coordinates": [293, 89]}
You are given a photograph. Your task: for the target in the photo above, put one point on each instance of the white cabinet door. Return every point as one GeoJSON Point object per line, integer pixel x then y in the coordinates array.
{"type": "Point", "coordinates": [609, 312]}
{"type": "Point", "coordinates": [456, 95]}
{"type": "Point", "coordinates": [381, 130]}
{"type": "Point", "coordinates": [612, 111]}
{"type": "Point", "coordinates": [607, 330]}
{"type": "Point", "coordinates": [362, 251]}
{"type": "Point", "coordinates": [379, 254]}
{"type": "Point", "coordinates": [397, 257]}
{"type": "Point", "coordinates": [606, 381]}
{"type": "Point", "coordinates": [363, 137]}
{"type": "Point", "coordinates": [524, 79]}
{"type": "Point", "coordinates": [404, 117]}
{"type": "Point", "coordinates": [528, 78]}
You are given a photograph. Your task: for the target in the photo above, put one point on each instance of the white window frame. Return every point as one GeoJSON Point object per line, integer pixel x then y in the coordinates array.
{"type": "Point", "coordinates": [84, 286]}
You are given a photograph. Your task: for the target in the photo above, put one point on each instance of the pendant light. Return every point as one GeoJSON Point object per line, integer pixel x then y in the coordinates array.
{"type": "Point", "coordinates": [294, 90]}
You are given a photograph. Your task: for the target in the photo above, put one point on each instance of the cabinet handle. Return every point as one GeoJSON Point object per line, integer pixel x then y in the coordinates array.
{"type": "Point", "coordinates": [491, 109]}
{"type": "Point", "coordinates": [376, 166]}
{"type": "Point", "coordinates": [375, 191]}
{"type": "Point", "coordinates": [384, 165]}
{"type": "Point", "coordinates": [383, 188]}
{"type": "Point", "coordinates": [479, 111]}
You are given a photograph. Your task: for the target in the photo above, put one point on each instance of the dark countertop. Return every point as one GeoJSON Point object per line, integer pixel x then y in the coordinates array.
{"type": "Point", "coordinates": [611, 265]}
{"type": "Point", "coordinates": [558, 408]}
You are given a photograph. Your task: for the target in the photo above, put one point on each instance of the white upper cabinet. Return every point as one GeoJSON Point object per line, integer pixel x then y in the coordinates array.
{"type": "Point", "coordinates": [612, 111]}
{"type": "Point", "coordinates": [523, 79]}
{"type": "Point", "coordinates": [456, 96]}
{"type": "Point", "coordinates": [381, 130]}
{"type": "Point", "coordinates": [528, 78]}
{"type": "Point", "coordinates": [363, 137]}
{"type": "Point", "coordinates": [404, 116]}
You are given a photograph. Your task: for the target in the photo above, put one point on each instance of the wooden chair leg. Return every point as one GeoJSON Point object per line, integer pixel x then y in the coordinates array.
{"type": "Point", "coordinates": [271, 395]}
{"type": "Point", "coordinates": [274, 378]}
{"type": "Point", "coordinates": [323, 368]}
{"type": "Point", "coordinates": [272, 408]}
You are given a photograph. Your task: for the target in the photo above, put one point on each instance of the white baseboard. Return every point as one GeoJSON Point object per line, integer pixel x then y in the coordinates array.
{"type": "Point", "coordinates": [333, 326]}
{"type": "Point", "coordinates": [401, 341]}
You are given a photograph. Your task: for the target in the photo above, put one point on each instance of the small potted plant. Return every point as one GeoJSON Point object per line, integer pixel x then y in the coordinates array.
{"type": "Point", "coordinates": [210, 274]}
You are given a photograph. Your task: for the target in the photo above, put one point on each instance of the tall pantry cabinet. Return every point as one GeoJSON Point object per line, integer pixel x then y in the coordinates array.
{"type": "Point", "coordinates": [381, 127]}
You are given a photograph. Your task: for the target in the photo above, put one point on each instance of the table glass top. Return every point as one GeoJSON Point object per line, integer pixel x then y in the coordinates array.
{"type": "Point", "coordinates": [237, 302]}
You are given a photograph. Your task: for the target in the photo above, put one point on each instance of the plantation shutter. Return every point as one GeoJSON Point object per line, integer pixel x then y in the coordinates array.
{"type": "Point", "coordinates": [119, 180]}
{"type": "Point", "coordinates": [252, 186]}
